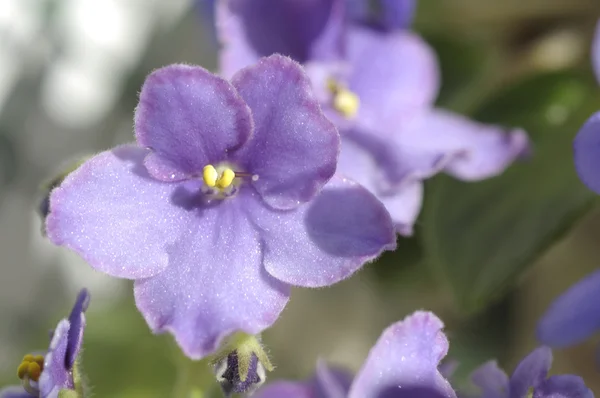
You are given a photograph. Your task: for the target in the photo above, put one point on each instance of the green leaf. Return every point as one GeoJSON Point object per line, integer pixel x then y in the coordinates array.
{"type": "Point", "coordinates": [480, 237]}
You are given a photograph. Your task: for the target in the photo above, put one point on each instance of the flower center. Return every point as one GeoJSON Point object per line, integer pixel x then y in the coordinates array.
{"type": "Point", "coordinates": [345, 101]}
{"type": "Point", "coordinates": [222, 181]}
{"type": "Point", "coordinates": [30, 370]}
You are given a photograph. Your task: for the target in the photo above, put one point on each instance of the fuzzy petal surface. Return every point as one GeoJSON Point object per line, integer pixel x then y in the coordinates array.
{"type": "Point", "coordinates": [14, 392]}
{"type": "Point", "coordinates": [596, 51]}
{"type": "Point", "coordinates": [55, 375]}
{"type": "Point", "coordinates": [294, 148]}
{"type": "Point", "coordinates": [573, 316]}
{"type": "Point", "coordinates": [319, 244]}
{"type": "Point", "coordinates": [392, 74]}
{"type": "Point", "coordinates": [531, 371]}
{"type": "Point", "coordinates": [586, 151]}
{"type": "Point", "coordinates": [116, 216]}
{"type": "Point", "coordinates": [189, 118]}
{"type": "Point", "coordinates": [77, 322]}
{"type": "Point", "coordinates": [407, 354]}
{"type": "Point", "coordinates": [301, 29]}
{"type": "Point", "coordinates": [215, 284]}
{"type": "Point", "coordinates": [563, 386]}
{"type": "Point", "coordinates": [466, 149]}
{"type": "Point", "coordinates": [491, 380]}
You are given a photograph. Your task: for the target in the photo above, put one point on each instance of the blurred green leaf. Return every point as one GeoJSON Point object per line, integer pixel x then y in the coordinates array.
{"type": "Point", "coordinates": [480, 237]}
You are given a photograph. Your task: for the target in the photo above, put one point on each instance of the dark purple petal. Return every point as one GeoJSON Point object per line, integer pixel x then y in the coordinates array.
{"type": "Point", "coordinates": [319, 244]}
{"type": "Point", "coordinates": [397, 14]}
{"type": "Point", "coordinates": [14, 392]}
{"type": "Point", "coordinates": [215, 284]}
{"type": "Point", "coordinates": [586, 147]}
{"type": "Point", "coordinates": [55, 376]}
{"type": "Point", "coordinates": [230, 380]}
{"type": "Point", "coordinates": [491, 380]}
{"type": "Point", "coordinates": [530, 372]}
{"type": "Point", "coordinates": [285, 389]}
{"type": "Point", "coordinates": [392, 74]}
{"type": "Point", "coordinates": [301, 29]}
{"type": "Point", "coordinates": [574, 316]}
{"type": "Point", "coordinates": [294, 148]}
{"type": "Point", "coordinates": [596, 51]}
{"type": "Point", "coordinates": [330, 382]}
{"type": "Point", "coordinates": [468, 150]}
{"type": "Point", "coordinates": [406, 353]}
{"type": "Point", "coordinates": [563, 386]}
{"type": "Point", "coordinates": [77, 322]}
{"type": "Point", "coordinates": [117, 217]}
{"type": "Point", "coordinates": [189, 118]}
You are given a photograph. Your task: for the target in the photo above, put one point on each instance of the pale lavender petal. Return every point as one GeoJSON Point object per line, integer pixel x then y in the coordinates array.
{"type": "Point", "coordinates": [14, 392]}
{"type": "Point", "coordinates": [596, 51]}
{"type": "Point", "coordinates": [563, 386]}
{"type": "Point", "coordinates": [407, 353]}
{"type": "Point", "coordinates": [287, 389]}
{"type": "Point", "coordinates": [393, 75]}
{"type": "Point", "coordinates": [55, 375]}
{"type": "Point", "coordinates": [586, 147]}
{"type": "Point", "coordinates": [530, 372]}
{"type": "Point", "coordinates": [294, 149]}
{"type": "Point", "coordinates": [330, 382]}
{"type": "Point", "coordinates": [117, 217]}
{"type": "Point", "coordinates": [574, 316]}
{"type": "Point", "coordinates": [301, 29]}
{"type": "Point", "coordinates": [189, 118]}
{"type": "Point", "coordinates": [404, 205]}
{"type": "Point", "coordinates": [466, 149]}
{"type": "Point", "coordinates": [318, 244]}
{"type": "Point", "coordinates": [491, 380]}
{"type": "Point", "coordinates": [215, 284]}
{"type": "Point", "coordinates": [77, 322]}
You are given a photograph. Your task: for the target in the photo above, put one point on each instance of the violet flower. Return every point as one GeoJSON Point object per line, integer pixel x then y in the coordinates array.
{"type": "Point", "coordinates": [45, 376]}
{"type": "Point", "coordinates": [530, 373]}
{"type": "Point", "coordinates": [575, 315]}
{"type": "Point", "coordinates": [378, 86]}
{"type": "Point", "coordinates": [405, 357]}
{"type": "Point", "coordinates": [225, 202]}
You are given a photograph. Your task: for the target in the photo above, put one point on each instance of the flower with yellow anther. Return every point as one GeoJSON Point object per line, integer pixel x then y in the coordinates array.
{"type": "Point", "coordinates": [344, 101]}
{"type": "Point", "coordinates": [213, 179]}
{"type": "Point", "coordinates": [31, 367]}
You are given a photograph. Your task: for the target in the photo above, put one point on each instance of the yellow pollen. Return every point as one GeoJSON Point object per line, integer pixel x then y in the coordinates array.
{"type": "Point", "coordinates": [226, 178]}
{"type": "Point", "coordinates": [213, 179]}
{"type": "Point", "coordinates": [210, 175]}
{"type": "Point", "coordinates": [344, 101]}
{"type": "Point", "coordinates": [31, 367]}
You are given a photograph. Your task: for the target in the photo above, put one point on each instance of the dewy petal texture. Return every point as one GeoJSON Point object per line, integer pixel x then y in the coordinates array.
{"type": "Point", "coordinates": [294, 149]}
{"type": "Point", "coordinates": [117, 217]}
{"type": "Point", "coordinates": [250, 29]}
{"type": "Point", "coordinates": [574, 316]}
{"type": "Point", "coordinates": [215, 284]}
{"type": "Point", "coordinates": [326, 240]}
{"type": "Point", "coordinates": [586, 148]}
{"type": "Point", "coordinates": [406, 354]}
{"type": "Point", "coordinates": [189, 118]}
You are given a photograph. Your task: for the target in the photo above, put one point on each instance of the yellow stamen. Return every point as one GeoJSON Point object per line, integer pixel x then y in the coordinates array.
{"type": "Point", "coordinates": [34, 370]}
{"type": "Point", "coordinates": [346, 102]}
{"type": "Point", "coordinates": [226, 178]}
{"type": "Point", "coordinates": [210, 175]}
{"type": "Point", "coordinates": [31, 367]}
{"type": "Point", "coordinates": [22, 370]}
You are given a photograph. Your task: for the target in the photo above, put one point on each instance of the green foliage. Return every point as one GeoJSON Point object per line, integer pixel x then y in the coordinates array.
{"type": "Point", "coordinates": [481, 237]}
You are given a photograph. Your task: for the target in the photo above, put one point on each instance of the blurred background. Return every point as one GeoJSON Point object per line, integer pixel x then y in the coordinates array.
{"type": "Point", "coordinates": [488, 258]}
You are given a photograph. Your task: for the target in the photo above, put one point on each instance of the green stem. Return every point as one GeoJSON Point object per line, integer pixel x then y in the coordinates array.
{"type": "Point", "coordinates": [195, 379]}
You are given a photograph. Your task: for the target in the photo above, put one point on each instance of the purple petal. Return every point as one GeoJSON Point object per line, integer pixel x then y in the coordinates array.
{"type": "Point", "coordinates": [492, 380]}
{"type": "Point", "coordinates": [189, 118]}
{"type": "Point", "coordinates": [411, 391]}
{"type": "Point", "coordinates": [463, 148]}
{"type": "Point", "coordinates": [215, 284]}
{"type": "Point", "coordinates": [563, 386]}
{"type": "Point", "coordinates": [319, 244]}
{"type": "Point", "coordinates": [407, 352]}
{"type": "Point", "coordinates": [574, 316]}
{"type": "Point", "coordinates": [596, 51]}
{"type": "Point", "coordinates": [55, 376]}
{"type": "Point", "coordinates": [330, 382]}
{"type": "Point", "coordinates": [397, 14]}
{"type": "Point", "coordinates": [14, 392]}
{"type": "Point", "coordinates": [392, 74]}
{"type": "Point", "coordinates": [294, 147]}
{"type": "Point", "coordinates": [118, 218]}
{"type": "Point", "coordinates": [530, 372]}
{"type": "Point", "coordinates": [301, 29]}
{"type": "Point", "coordinates": [404, 205]}
{"type": "Point", "coordinates": [77, 322]}
{"type": "Point", "coordinates": [586, 147]}
{"type": "Point", "coordinates": [285, 389]}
